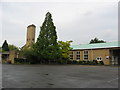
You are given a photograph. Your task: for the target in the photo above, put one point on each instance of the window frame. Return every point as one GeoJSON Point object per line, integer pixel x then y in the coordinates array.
{"type": "Point", "coordinates": [86, 55]}
{"type": "Point", "coordinates": [71, 55]}
{"type": "Point", "coordinates": [77, 55]}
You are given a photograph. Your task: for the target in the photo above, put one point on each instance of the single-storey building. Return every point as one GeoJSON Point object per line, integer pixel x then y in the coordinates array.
{"type": "Point", "coordinates": [9, 56]}
{"type": "Point", "coordinates": [108, 52]}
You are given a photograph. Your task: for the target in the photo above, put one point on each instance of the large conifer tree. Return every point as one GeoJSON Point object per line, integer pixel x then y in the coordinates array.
{"type": "Point", "coordinates": [46, 46]}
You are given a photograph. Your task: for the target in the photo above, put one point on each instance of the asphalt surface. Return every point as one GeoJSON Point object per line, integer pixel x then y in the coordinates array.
{"type": "Point", "coordinates": [59, 76]}
{"type": "Point", "coordinates": [0, 75]}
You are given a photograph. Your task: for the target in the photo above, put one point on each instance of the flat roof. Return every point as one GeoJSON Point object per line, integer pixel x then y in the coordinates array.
{"type": "Point", "coordinates": [31, 25]}
{"type": "Point", "coordinates": [96, 45]}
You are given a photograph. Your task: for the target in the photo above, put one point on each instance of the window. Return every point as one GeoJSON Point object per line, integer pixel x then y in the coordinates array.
{"type": "Point", "coordinates": [71, 55]}
{"type": "Point", "coordinates": [78, 55]}
{"type": "Point", "coordinates": [85, 55]}
{"type": "Point", "coordinates": [99, 59]}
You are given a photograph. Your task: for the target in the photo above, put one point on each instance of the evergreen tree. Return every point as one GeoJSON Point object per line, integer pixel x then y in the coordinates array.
{"type": "Point", "coordinates": [46, 46]}
{"type": "Point", "coordinates": [5, 46]}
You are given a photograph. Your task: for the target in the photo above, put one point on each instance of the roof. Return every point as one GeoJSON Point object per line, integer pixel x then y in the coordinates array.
{"type": "Point", "coordinates": [31, 25]}
{"type": "Point", "coordinates": [96, 45]}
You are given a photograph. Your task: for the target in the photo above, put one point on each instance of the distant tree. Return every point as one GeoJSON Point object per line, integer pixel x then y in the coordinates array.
{"type": "Point", "coordinates": [5, 46]}
{"type": "Point", "coordinates": [46, 46]}
{"type": "Point", "coordinates": [65, 49]}
{"type": "Point", "coordinates": [13, 47]}
{"type": "Point", "coordinates": [96, 40]}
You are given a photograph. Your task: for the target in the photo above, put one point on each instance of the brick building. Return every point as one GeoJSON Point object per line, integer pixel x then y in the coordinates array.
{"type": "Point", "coordinates": [108, 52]}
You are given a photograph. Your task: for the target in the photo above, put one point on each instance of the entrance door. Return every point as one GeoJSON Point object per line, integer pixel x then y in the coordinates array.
{"type": "Point", "coordinates": [116, 60]}
{"type": "Point", "coordinates": [112, 61]}
{"type": "Point", "coordinates": [115, 56]}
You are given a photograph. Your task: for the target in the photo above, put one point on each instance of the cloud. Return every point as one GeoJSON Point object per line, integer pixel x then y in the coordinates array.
{"type": "Point", "coordinates": [74, 21]}
{"type": "Point", "coordinates": [60, 0]}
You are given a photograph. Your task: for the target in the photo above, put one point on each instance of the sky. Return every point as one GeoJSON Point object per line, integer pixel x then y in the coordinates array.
{"type": "Point", "coordinates": [79, 21]}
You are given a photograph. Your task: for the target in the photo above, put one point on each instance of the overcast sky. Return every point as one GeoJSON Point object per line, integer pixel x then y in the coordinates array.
{"type": "Point", "coordinates": [78, 21]}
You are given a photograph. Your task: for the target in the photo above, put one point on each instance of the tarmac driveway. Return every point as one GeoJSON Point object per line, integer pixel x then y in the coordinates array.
{"type": "Point", "coordinates": [59, 76]}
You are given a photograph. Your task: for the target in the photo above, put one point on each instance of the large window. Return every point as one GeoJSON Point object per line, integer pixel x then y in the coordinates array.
{"type": "Point", "coordinates": [78, 55]}
{"type": "Point", "coordinates": [85, 55]}
{"type": "Point", "coordinates": [71, 55]}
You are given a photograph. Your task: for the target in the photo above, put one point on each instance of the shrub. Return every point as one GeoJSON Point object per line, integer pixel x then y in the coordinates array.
{"type": "Point", "coordinates": [95, 62]}
{"type": "Point", "coordinates": [85, 62]}
{"type": "Point", "coordinates": [20, 60]}
{"type": "Point", "coordinates": [74, 62]}
{"type": "Point", "coordinates": [61, 61]}
{"type": "Point", "coordinates": [101, 63]}
{"type": "Point", "coordinates": [80, 62]}
{"type": "Point", "coordinates": [91, 63]}
{"type": "Point", "coordinates": [69, 62]}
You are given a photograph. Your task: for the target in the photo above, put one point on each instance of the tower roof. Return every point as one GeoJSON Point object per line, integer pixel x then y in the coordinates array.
{"type": "Point", "coordinates": [32, 25]}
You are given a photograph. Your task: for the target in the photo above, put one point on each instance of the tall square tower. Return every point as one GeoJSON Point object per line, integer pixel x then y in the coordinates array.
{"type": "Point", "coordinates": [30, 35]}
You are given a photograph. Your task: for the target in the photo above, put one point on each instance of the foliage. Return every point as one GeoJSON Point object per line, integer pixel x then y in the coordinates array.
{"type": "Point", "coordinates": [96, 40]}
{"type": "Point", "coordinates": [29, 54]}
{"type": "Point", "coordinates": [95, 62]}
{"type": "Point", "coordinates": [13, 47]}
{"type": "Point", "coordinates": [101, 63]}
{"type": "Point", "coordinates": [5, 46]}
{"type": "Point", "coordinates": [61, 62]}
{"type": "Point", "coordinates": [46, 46]}
{"type": "Point", "coordinates": [69, 62]}
{"type": "Point", "coordinates": [85, 62]}
{"type": "Point", "coordinates": [82, 62]}
{"type": "Point", "coordinates": [21, 61]}
{"type": "Point", "coordinates": [74, 62]}
{"type": "Point", "coordinates": [65, 48]}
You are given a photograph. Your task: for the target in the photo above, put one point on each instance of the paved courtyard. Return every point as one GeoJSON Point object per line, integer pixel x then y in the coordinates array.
{"type": "Point", "coordinates": [0, 75]}
{"type": "Point", "coordinates": [59, 76]}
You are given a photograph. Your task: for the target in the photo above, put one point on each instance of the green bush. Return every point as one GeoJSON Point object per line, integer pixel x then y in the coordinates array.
{"type": "Point", "coordinates": [101, 63]}
{"type": "Point", "coordinates": [61, 61]}
{"type": "Point", "coordinates": [80, 62]}
{"type": "Point", "coordinates": [91, 63]}
{"type": "Point", "coordinates": [74, 62]}
{"type": "Point", "coordinates": [21, 61]}
{"type": "Point", "coordinates": [85, 62]}
{"type": "Point", "coordinates": [69, 62]}
{"type": "Point", "coordinates": [95, 62]}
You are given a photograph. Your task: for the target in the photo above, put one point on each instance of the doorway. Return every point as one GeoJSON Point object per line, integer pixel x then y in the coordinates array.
{"type": "Point", "coordinates": [115, 56]}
